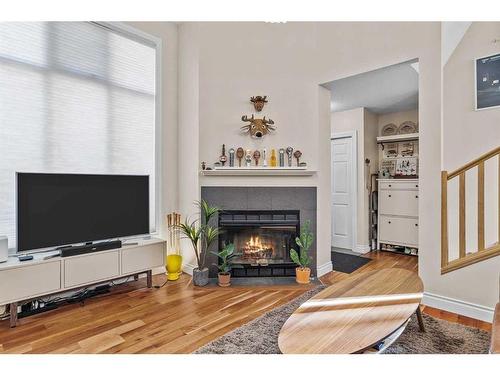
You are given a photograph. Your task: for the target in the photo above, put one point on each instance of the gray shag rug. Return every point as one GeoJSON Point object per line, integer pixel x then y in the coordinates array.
{"type": "Point", "coordinates": [260, 336]}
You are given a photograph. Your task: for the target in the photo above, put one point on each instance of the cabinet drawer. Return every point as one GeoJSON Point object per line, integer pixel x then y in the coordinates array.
{"type": "Point", "coordinates": [398, 185]}
{"type": "Point", "coordinates": [91, 268]}
{"type": "Point", "coordinates": [398, 202]}
{"type": "Point", "coordinates": [142, 258]}
{"type": "Point", "coordinates": [399, 229]}
{"type": "Point", "coordinates": [29, 281]}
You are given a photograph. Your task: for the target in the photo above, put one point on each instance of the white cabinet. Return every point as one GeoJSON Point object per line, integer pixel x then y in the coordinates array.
{"type": "Point", "coordinates": [90, 268]}
{"type": "Point", "coordinates": [23, 282]}
{"type": "Point", "coordinates": [398, 202]}
{"type": "Point", "coordinates": [398, 212]}
{"type": "Point", "coordinates": [38, 277]}
{"type": "Point", "coordinates": [142, 258]}
{"type": "Point", "coordinates": [398, 230]}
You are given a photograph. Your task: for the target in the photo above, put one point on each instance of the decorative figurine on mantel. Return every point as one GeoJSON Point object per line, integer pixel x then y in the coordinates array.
{"type": "Point", "coordinates": [297, 154]}
{"type": "Point", "coordinates": [256, 156]}
{"type": "Point", "coordinates": [258, 102]}
{"type": "Point", "coordinates": [274, 163]}
{"type": "Point", "coordinates": [248, 159]}
{"type": "Point", "coordinates": [257, 127]}
{"type": "Point", "coordinates": [203, 165]}
{"type": "Point", "coordinates": [240, 153]}
{"type": "Point", "coordinates": [264, 158]}
{"type": "Point", "coordinates": [289, 152]}
{"type": "Point", "coordinates": [231, 157]}
{"type": "Point", "coordinates": [282, 157]}
{"type": "Point", "coordinates": [223, 157]}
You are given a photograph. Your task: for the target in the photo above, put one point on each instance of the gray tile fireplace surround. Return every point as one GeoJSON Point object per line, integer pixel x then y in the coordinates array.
{"type": "Point", "coordinates": [265, 198]}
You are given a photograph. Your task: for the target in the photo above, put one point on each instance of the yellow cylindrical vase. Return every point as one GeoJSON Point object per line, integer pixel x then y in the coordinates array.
{"type": "Point", "coordinates": [174, 266]}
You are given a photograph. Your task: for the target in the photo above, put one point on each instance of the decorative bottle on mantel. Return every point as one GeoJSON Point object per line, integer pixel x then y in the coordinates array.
{"type": "Point", "coordinates": [274, 162]}
{"type": "Point", "coordinates": [264, 158]}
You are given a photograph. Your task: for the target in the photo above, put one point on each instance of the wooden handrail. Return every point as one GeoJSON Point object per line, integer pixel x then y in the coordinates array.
{"type": "Point", "coordinates": [482, 253]}
{"type": "Point", "coordinates": [474, 163]}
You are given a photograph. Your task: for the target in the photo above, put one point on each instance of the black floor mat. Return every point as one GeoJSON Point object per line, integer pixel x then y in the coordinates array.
{"type": "Point", "coordinates": [347, 263]}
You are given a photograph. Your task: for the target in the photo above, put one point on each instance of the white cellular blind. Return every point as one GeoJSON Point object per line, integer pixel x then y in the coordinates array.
{"type": "Point", "coordinates": [75, 97]}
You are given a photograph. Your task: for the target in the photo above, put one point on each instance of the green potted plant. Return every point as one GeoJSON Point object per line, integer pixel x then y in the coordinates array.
{"type": "Point", "coordinates": [201, 234]}
{"type": "Point", "coordinates": [225, 255]}
{"type": "Point", "coordinates": [304, 242]}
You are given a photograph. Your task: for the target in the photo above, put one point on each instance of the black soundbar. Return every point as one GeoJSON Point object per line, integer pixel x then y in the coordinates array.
{"type": "Point", "coordinates": [91, 248]}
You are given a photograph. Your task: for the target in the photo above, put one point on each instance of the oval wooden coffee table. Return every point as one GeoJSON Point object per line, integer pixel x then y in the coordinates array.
{"type": "Point", "coordinates": [355, 314]}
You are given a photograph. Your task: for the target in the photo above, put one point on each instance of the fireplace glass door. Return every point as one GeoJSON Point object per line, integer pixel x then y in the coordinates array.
{"type": "Point", "coordinates": [261, 239]}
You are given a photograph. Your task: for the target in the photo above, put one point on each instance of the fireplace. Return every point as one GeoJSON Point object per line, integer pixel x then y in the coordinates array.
{"type": "Point", "coordinates": [262, 240]}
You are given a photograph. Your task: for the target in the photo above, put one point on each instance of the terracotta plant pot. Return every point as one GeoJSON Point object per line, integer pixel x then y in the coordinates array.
{"type": "Point", "coordinates": [302, 275]}
{"type": "Point", "coordinates": [224, 279]}
{"type": "Point", "coordinates": [200, 277]}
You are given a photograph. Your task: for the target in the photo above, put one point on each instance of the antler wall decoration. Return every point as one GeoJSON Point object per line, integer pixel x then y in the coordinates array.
{"type": "Point", "coordinates": [258, 102]}
{"type": "Point", "coordinates": [257, 127]}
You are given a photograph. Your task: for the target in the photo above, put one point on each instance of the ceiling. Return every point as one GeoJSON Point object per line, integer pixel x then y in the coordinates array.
{"type": "Point", "coordinates": [386, 90]}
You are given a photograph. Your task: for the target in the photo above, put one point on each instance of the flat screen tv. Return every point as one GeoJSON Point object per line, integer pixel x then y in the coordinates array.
{"type": "Point", "coordinates": [63, 209]}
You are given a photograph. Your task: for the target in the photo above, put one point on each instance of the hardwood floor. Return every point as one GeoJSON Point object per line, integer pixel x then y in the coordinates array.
{"type": "Point", "coordinates": [178, 318]}
{"type": "Point", "coordinates": [383, 259]}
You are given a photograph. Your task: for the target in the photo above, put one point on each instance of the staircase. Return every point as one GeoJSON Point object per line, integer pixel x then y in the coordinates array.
{"type": "Point", "coordinates": [482, 252]}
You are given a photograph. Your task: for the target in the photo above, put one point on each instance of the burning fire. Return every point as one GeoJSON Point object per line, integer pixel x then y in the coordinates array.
{"type": "Point", "coordinates": [255, 249]}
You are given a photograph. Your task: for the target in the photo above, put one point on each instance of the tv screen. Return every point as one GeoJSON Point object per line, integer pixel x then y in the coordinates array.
{"type": "Point", "coordinates": [62, 209]}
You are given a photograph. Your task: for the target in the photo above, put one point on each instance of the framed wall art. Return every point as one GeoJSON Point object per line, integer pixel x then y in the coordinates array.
{"type": "Point", "coordinates": [390, 150]}
{"type": "Point", "coordinates": [487, 78]}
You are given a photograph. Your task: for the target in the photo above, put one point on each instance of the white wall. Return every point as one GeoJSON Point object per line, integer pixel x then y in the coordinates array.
{"type": "Point", "coordinates": [287, 62]}
{"type": "Point", "coordinates": [467, 134]}
{"type": "Point", "coordinates": [396, 118]}
{"type": "Point", "coordinates": [189, 128]}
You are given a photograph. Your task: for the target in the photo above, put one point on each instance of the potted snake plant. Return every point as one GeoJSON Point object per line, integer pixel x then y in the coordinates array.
{"type": "Point", "coordinates": [225, 255]}
{"type": "Point", "coordinates": [201, 235]}
{"type": "Point", "coordinates": [303, 260]}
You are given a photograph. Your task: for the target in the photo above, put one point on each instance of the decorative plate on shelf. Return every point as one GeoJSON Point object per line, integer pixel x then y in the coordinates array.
{"type": "Point", "coordinates": [389, 129]}
{"type": "Point", "coordinates": [407, 127]}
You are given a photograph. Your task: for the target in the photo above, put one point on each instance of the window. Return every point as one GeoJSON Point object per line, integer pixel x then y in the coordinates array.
{"type": "Point", "coordinates": [76, 97]}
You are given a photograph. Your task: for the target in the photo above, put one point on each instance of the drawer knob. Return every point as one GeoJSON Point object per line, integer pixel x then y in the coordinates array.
{"type": "Point", "coordinates": [388, 222]}
{"type": "Point", "coordinates": [390, 195]}
{"type": "Point", "coordinates": [416, 225]}
{"type": "Point", "coordinates": [416, 196]}
{"type": "Point", "coordinates": [390, 185]}
{"type": "Point", "coordinates": [416, 185]}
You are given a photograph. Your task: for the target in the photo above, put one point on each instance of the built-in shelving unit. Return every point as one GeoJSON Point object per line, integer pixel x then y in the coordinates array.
{"type": "Point", "coordinates": [258, 171]}
{"type": "Point", "coordinates": [398, 138]}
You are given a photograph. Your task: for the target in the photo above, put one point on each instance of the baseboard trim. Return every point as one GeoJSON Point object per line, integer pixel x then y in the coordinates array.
{"type": "Point", "coordinates": [188, 268]}
{"type": "Point", "coordinates": [457, 306]}
{"type": "Point", "coordinates": [324, 269]}
{"type": "Point", "coordinates": [362, 249]}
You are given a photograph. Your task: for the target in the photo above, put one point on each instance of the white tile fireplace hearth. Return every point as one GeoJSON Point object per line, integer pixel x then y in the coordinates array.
{"type": "Point", "coordinates": [262, 222]}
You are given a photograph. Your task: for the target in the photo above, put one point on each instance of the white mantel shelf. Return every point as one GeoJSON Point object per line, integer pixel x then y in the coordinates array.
{"type": "Point", "coordinates": [398, 138]}
{"type": "Point", "coordinates": [258, 171]}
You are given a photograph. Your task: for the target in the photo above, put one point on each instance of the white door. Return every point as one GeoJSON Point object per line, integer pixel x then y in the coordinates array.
{"type": "Point", "coordinates": [342, 193]}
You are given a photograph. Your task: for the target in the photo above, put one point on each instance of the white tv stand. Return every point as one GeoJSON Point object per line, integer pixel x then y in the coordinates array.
{"type": "Point", "coordinates": [24, 281]}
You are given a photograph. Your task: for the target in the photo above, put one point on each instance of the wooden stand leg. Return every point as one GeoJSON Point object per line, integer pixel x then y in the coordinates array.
{"type": "Point", "coordinates": [13, 314]}
{"type": "Point", "coordinates": [420, 319]}
{"type": "Point", "coordinates": [149, 278]}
